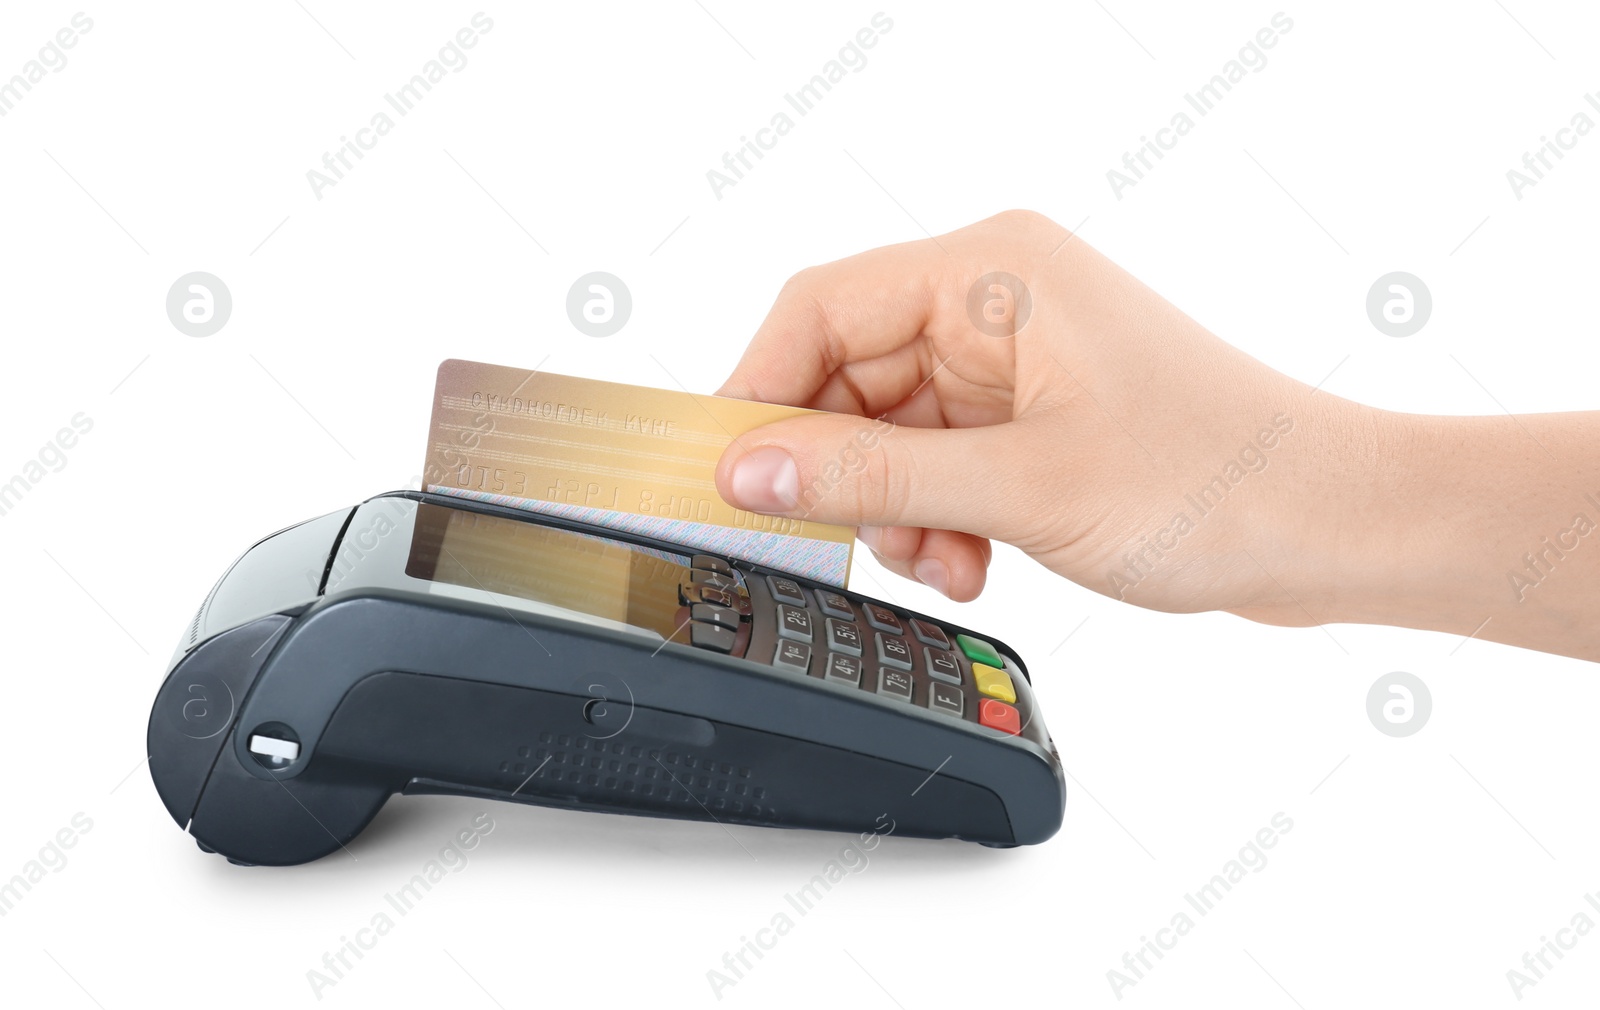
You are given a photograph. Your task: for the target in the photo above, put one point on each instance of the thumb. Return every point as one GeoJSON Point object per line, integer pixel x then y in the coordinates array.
{"type": "Point", "coordinates": [856, 471]}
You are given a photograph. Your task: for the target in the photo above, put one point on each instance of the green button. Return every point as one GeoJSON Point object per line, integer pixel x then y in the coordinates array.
{"type": "Point", "coordinates": [979, 651]}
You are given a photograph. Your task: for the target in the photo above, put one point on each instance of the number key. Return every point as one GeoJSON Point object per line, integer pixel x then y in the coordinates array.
{"type": "Point", "coordinates": [893, 651]}
{"type": "Point", "coordinates": [836, 605]}
{"type": "Point", "coordinates": [894, 684]}
{"type": "Point", "coordinates": [844, 637]}
{"type": "Point", "coordinates": [942, 665]}
{"type": "Point", "coordinates": [792, 656]}
{"type": "Point", "coordinates": [883, 619]}
{"type": "Point", "coordinates": [844, 670]}
{"type": "Point", "coordinates": [794, 623]}
{"type": "Point", "coordinates": [786, 591]}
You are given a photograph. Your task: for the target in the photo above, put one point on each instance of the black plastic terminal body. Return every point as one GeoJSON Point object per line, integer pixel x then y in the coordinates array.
{"type": "Point", "coordinates": [277, 741]}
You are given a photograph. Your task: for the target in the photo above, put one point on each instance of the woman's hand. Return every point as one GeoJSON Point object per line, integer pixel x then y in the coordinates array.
{"type": "Point", "coordinates": [1005, 381]}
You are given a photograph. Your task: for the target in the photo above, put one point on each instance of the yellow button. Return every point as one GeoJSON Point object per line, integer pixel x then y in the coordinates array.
{"type": "Point", "coordinates": [994, 683]}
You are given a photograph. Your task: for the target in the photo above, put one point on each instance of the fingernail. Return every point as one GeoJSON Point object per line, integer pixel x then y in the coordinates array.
{"type": "Point", "coordinates": [872, 536]}
{"type": "Point", "coordinates": [934, 573]}
{"type": "Point", "coordinates": [766, 480]}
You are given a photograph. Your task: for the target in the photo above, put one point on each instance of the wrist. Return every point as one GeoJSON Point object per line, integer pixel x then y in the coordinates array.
{"type": "Point", "coordinates": [1368, 525]}
{"type": "Point", "coordinates": [1402, 555]}
{"type": "Point", "coordinates": [1469, 526]}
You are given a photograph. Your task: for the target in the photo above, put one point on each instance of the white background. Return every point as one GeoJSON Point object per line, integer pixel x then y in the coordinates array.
{"type": "Point", "coordinates": [178, 138]}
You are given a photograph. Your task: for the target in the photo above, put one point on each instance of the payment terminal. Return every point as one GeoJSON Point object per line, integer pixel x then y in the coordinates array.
{"type": "Point", "coordinates": [424, 643]}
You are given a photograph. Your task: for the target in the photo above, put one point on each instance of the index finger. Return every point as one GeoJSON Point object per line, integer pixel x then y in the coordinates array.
{"type": "Point", "coordinates": [827, 317]}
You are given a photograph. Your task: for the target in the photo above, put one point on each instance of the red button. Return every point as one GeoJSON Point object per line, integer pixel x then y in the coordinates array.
{"type": "Point", "coordinates": [998, 715]}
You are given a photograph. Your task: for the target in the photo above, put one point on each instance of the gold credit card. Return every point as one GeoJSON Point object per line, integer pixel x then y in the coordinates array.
{"type": "Point", "coordinates": [623, 457]}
